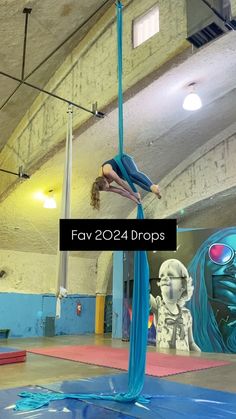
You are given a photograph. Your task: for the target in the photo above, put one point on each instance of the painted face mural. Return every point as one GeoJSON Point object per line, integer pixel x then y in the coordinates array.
{"type": "Point", "coordinates": [214, 273]}
{"type": "Point", "coordinates": [172, 319]}
{"type": "Point", "coordinates": [171, 283]}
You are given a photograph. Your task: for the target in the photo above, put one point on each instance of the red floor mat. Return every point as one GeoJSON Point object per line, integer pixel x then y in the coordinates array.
{"type": "Point", "coordinates": [158, 364]}
{"type": "Point", "coordinates": [11, 355]}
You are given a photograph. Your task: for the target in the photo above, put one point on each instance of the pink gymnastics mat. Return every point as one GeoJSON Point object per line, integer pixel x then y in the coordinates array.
{"type": "Point", "coordinates": [158, 364]}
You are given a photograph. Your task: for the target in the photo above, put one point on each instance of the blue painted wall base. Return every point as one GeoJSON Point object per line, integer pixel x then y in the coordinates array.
{"type": "Point", "coordinates": [25, 314]}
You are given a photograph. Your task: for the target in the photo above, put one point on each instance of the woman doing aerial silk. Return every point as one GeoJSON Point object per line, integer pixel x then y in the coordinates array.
{"type": "Point", "coordinates": [110, 172]}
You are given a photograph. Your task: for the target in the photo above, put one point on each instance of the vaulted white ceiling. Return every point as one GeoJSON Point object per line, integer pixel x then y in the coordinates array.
{"type": "Point", "coordinates": [158, 133]}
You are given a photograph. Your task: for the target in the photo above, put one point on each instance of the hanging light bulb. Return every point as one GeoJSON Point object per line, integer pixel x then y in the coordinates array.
{"type": "Point", "coordinates": [192, 102]}
{"type": "Point", "coordinates": [50, 201]}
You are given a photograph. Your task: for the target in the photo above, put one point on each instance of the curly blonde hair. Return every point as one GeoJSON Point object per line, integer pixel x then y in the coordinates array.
{"type": "Point", "coordinates": [97, 186]}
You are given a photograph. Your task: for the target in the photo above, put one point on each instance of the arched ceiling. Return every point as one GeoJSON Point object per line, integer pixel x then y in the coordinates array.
{"type": "Point", "coordinates": [158, 133]}
{"type": "Point", "coordinates": [50, 23]}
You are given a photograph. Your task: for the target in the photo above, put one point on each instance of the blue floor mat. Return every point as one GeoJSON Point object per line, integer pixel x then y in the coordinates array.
{"type": "Point", "coordinates": [170, 401]}
{"type": "Point", "coordinates": [66, 409]}
{"type": "Point", "coordinates": [6, 350]}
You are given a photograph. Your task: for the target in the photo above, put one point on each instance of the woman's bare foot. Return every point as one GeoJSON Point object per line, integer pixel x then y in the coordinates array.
{"type": "Point", "coordinates": [155, 189]}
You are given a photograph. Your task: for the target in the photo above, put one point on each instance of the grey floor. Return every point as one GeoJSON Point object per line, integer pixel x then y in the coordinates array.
{"type": "Point", "coordinates": [41, 370]}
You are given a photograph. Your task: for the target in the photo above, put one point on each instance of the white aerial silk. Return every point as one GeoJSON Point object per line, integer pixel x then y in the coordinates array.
{"type": "Point", "coordinates": [63, 256]}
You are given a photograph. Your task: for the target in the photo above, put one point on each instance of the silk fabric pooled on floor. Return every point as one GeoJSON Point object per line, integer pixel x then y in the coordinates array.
{"type": "Point", "coordinates": [168, 400]}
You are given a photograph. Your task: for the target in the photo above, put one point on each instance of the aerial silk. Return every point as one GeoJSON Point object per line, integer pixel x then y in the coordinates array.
{"type": "Point", "coordinates": [140, 306]}
{"type": "Point", "coordinates": [63, 257]}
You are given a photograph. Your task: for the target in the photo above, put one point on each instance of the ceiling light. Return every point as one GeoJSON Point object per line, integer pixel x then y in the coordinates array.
{"type": "Point", "coordinates": [50, 201]}
{"type": "Point", "coordinates": [39, 196]}
{"type": "Point", "coordinates": [192, 102]}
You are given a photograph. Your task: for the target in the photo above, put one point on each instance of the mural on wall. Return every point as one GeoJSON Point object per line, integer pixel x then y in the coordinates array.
{"type": "Point", "coordinates": [210, 258]}
{"type": "Point", "coordinates": [213, 269]}
{"type": "Point", "coordinates": [173, 321]}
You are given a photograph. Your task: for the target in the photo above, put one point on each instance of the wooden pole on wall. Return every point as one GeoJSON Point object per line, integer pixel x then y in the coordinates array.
{"type": "Point", "coordinates": [100, 311]}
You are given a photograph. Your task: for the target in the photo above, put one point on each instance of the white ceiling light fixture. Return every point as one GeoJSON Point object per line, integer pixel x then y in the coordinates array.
{"type": "Point", "coordinates": [39, 196]}
{"type": "Point", "coordinates": [192, 102]}
{"type": "Point", "coordinates": [50, 201]}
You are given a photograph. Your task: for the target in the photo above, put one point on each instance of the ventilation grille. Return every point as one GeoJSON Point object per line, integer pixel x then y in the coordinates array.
{"type": "Point", "coordinates": [207, 34]}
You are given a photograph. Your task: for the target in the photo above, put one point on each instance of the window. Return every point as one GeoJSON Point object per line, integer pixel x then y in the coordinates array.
{"type": "Point", "coordinates": [145, 26]}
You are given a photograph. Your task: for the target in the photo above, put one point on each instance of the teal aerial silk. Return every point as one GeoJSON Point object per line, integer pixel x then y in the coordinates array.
{"type": "Point", "coordinates": [140, 306]}
{"type": "Point", "coordinates": [139, 324]}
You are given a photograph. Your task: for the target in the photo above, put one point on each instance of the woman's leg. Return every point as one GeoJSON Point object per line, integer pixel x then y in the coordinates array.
{"type": "Point", "coordinates": [136, 176]}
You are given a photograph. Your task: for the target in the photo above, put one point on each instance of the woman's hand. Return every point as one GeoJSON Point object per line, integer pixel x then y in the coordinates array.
{"type": "Point", "coordinates": [125, 193]}
{"type": "Point", "coordinates": [138, 196]}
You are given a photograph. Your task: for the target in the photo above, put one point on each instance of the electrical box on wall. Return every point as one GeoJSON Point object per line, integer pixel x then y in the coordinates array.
{"type": "Point", "coordinates": [79, 308]}
{"type": "Point", "coordinates": [204, 24]}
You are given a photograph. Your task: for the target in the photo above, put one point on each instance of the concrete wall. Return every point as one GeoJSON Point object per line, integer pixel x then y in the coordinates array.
{"type": "Point", "coordinates": [35, 273]}
{"type": "Point", "coordinates": [207, 172]}
{"type": "Point", "coordinates": [88, 75]}
{"type": "Point", "coordinates": [82, 275]}
{"type": "Point", "coordinates": [104, 273]}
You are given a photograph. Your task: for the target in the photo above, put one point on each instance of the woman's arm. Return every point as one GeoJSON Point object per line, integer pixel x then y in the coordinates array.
{"type": "Point", "coordinates": [124, 193]}
{"type": "Point", "coordinates": [112, 175]}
